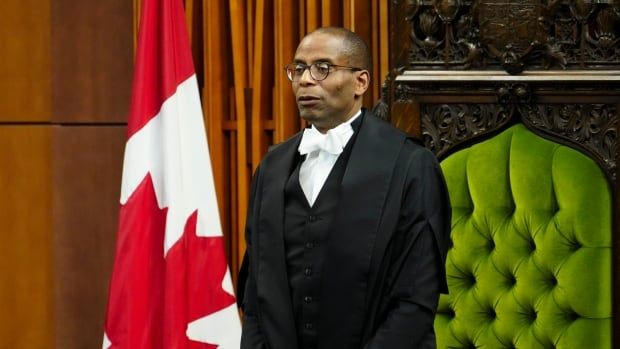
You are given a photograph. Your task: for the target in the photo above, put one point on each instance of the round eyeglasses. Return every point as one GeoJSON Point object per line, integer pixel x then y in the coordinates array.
{"type": "Point", "coordinates": [318, 71]}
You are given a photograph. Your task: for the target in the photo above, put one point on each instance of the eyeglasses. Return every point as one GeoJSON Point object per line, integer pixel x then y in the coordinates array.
{"type": "Point", "coordinates": [318, 71]}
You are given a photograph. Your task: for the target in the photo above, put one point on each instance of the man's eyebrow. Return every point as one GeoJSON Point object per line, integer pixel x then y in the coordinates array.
{"type": "Point", "coordinates": [320, 60]}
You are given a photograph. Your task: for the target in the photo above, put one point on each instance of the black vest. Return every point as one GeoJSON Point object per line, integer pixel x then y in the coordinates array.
{"type": "Point", "coordinates": [306, 230]}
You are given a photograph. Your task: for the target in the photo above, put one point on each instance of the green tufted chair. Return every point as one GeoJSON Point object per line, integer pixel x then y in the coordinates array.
{"type": "Point", "coordinates": [530, 262]}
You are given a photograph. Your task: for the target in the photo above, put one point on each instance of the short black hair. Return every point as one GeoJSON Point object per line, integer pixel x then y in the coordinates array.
{"type": "Point", "coordinates": [355, 48]}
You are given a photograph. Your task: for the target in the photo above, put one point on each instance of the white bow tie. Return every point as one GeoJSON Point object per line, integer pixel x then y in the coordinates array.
{"type": "Point", "coordinates": [313, 140]}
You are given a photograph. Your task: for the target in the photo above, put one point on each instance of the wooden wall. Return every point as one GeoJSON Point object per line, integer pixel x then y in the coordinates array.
{"type": "Point", "coordinates": [64, 92]}
{"type": "Point", "coordinates": [65, 81]}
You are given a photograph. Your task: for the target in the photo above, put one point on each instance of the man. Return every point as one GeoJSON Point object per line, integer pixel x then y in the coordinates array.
{"type": "Point", "coordinates": [348, 220]}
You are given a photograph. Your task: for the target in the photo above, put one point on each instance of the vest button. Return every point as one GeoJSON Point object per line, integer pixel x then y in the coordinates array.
{"type": "Point", "coordinates": [309, 325]}
{"type": "Point", "coordinates": [309, 244]}
{"type": "Point", "coordinates": [308, 299]}
{"type": "Point", "coordinates": [312, 218]}
{"type": "Point", "coordinates": [308, 271]}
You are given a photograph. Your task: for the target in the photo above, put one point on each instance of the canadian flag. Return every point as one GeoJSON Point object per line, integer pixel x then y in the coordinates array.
{"type": "Point", "coordinates": [170, 284]}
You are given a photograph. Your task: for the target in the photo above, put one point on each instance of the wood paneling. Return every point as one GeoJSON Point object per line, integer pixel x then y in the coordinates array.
{"type": "Point", "coordinates": [287, 37]}
{"type": "Point", "coordinates": [262, 83]}
{"type": "Point", "coordinates": [25, 72]}
{"type": "Point", "coordinates": [383, 47]}
{"type": "Point", "coordinates": [362, 22]}
{"type": "Point", "coordinates": [63, 61]}
{"type": "Point", "coordinates": [331, 12]}
{"type": "Point", "coordinates": [216, 101]}
{"type": "Point", "coordinates": [241, 71]}
{"type": "Point", "coordinates": [312, 15]}
{"type": "Point", "coordinates": [92, 60]}
{"type": "Point", "coordinates": [26, 266]}
{"type": "Point", "coordinates": [86, 185]}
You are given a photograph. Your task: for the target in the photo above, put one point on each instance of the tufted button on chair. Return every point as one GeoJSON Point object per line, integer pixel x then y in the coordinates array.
{"type": "Point", "coordinates": [530, 264]}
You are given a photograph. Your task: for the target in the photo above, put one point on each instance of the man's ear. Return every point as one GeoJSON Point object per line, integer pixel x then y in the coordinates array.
{"type": "Point", "coordinates": [362, 82]}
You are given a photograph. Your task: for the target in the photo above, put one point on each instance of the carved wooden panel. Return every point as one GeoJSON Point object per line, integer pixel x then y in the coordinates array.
{"type": "Point", "coordinates": [512, 35]}
{"type": "Point", "coordinates": [592, 127]}
{"type": "Point", "coordinates": [452, 114]}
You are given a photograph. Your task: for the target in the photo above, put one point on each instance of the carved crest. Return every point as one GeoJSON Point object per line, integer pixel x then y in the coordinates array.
{"type": "Point", "coordinates": [510, 30]}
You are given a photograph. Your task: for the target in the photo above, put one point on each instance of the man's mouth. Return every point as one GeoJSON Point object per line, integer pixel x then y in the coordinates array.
{"type": "Point", "coordinates": [307, 101]}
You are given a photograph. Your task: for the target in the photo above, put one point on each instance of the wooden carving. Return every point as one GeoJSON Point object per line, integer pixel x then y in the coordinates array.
{"type": "Point", "coordinates": [589, 127]}
{"type": "Point", "coordinates": [446, 126]}
{"type": "Point", "coordinates": [593, 126]}
{"type": "Point", "coordinates": [511, 35]}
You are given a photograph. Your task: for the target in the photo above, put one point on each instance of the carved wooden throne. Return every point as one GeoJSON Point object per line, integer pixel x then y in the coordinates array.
{"type": "Point", "coordinates": [499, 90]}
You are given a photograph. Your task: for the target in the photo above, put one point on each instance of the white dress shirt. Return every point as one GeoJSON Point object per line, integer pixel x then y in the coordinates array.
{"type": "Point", "coordinates": [322, 152]}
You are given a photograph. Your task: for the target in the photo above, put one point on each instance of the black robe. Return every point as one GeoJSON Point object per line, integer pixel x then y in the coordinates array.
{"type": "Point", "coordinates": [385, 256]}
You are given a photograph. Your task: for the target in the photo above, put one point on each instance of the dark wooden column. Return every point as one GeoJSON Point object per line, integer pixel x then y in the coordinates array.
{"type": "Point", "coordinates": [92, 67]}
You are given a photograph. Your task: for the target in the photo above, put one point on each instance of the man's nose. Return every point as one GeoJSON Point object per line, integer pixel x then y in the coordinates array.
{"type": "Point", "coordinates": [306, 78]}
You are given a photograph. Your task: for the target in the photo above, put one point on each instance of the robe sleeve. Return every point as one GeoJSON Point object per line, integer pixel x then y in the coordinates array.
{"type": "Point", "coordinates": [417, 273]}
{"type": "Point", "coordinates": [251, 335]}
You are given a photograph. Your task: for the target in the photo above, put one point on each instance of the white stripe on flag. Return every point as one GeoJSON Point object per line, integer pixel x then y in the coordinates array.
{"type": "Point", "coordinates": [172, 146]}
{"type": "Point", "coordinates": [217, 328]}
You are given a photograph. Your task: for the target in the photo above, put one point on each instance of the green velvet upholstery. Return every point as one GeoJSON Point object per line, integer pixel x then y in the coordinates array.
{"type": "Point", "coordinates": [530, 265]}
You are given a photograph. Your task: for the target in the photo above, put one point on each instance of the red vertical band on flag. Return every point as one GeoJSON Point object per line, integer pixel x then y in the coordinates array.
{"type": "Point", "coordinates": [163, 59]}
{"type": "Point", "coordinates": [136, 297]}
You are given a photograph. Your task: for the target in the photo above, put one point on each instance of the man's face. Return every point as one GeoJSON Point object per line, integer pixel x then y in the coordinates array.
{"type": "Point", "coordinates": [327, 103]}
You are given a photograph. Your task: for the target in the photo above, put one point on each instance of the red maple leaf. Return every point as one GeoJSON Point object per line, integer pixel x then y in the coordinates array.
{"type": "Point", "coordinates": [196, 267]}
{"type": "Point", "coordinates": [152, 298]}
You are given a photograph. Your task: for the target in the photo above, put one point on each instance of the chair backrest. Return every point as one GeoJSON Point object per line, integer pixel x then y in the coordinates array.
{"type": "Point", "coordinates": [530, 264]}
{"type": "Point", "coordinates": [520, 100]}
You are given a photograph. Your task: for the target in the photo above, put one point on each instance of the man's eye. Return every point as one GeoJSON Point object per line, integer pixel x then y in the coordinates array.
{"type": "Point", "coordinates": [322, 68]}
{"type": "Point", "coordinates": [299, 69]}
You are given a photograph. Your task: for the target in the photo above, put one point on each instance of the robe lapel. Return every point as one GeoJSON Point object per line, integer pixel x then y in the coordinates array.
{"type": "Point", "coordinates": [363, 193]}
{"type": "Point", "coordinates": [273, 288]}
